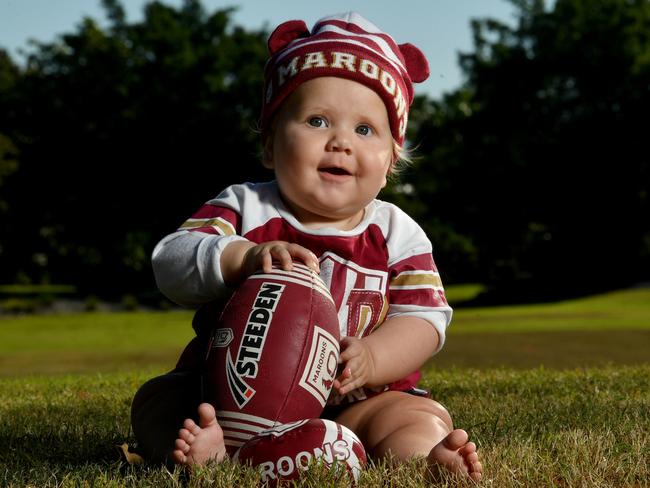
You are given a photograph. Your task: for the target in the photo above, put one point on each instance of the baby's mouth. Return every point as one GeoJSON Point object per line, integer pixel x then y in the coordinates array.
{"type": "Point", "coordinates": [335, 171]}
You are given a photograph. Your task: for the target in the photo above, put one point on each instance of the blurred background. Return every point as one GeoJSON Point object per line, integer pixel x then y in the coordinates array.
{"type": "Point", "coordinates": [118, 119]}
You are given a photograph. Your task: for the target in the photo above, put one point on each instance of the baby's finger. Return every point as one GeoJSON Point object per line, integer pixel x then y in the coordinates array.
{"type": "Point", "coordinates": [282, 255]}
{"type": "Point", "coordinates": [348, 354]}
{"type": "Point", "coordinates": [345, 374]}
{"type": "Point", "coordinates": [312, 261]}
{"type": "Point", "coordinates": [349, 375]}
{"type": "Point", "coordinates": [267, 262]}
{"type": "Point", "coordinates": [351, 384]}
{"type": "Point", "coordinates": [350, 349]}
{"type": "Point", "coordinates": [342, 378]}
{"type": "Point", "coordinates": [305, 255]}
{"type": "Point", "coordinates": [315, 263]}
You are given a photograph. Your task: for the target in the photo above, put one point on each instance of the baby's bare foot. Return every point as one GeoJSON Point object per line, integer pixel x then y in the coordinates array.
{"type": "Point", "coordinates": [198, 444]}
{"type": "Point", "coordinates": [457, 455]}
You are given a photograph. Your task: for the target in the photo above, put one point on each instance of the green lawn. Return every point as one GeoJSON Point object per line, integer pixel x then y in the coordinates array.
{"type": "Point", "coordinates": [93, 341]}
{"type": "Point", "coordinates": [554, 395]}
{"type": "Point", "coordinates": [613, 328]}
{"type": "Point", "coordinates": [618, 310]}
{"type": "Point", "coordinates": [534, 428]}
{"type": "Point", "coordinates": [610, 328]}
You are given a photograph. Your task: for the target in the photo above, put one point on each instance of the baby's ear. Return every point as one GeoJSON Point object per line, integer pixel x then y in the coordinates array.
{"type": "Point", "coordinates": [285, 33]}
{"type": "Point", "coordinates": [416, 64]}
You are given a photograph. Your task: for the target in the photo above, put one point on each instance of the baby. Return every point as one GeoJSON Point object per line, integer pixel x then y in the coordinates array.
{"type": "Point", "coordinates": [333, 126]}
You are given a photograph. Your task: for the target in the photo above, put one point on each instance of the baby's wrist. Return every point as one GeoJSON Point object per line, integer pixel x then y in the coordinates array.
{"type": "Point", "coordinates": [233, 261]}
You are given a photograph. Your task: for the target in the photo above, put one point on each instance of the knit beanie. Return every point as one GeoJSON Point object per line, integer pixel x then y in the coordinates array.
{"type": "Point", "coordinates": [346, 46]}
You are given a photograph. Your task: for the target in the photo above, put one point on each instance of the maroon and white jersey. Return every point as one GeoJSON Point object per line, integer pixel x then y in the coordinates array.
{"type": "Point", "coordinates": [382, 268]}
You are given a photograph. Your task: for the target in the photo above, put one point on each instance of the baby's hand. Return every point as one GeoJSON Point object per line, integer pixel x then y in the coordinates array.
{"type": "Point", "coordinates": [263, 255]}
{"type": "Point", "coordinates": [359, 366]}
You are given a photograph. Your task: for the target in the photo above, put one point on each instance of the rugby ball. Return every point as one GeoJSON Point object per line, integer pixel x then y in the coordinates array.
{"type": "Point", "coordinates": [283, 452]}
{"type": "Point", "coordinates": [274, 353]}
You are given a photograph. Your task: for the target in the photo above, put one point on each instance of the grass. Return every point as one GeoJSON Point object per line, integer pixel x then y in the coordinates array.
{"type": "Point", "coordinates": [16, 289]}
{"type": "Point", "coordinates": [91, 341]}
{"type": "Point", "coordinates": [554, 395]}
{"type": "Point", "coordinates": [622, 309]}
{"type": "Point", "coordinates": [585, 427]}
{"type": "Point", "coordinates": [609, 328]}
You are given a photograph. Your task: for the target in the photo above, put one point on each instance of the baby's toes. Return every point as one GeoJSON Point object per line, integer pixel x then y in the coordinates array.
{"type": "Point", "coordinates": [186, 436]}
{"type": "Point", "coordinates": [182, 446]}
{"type": "Point", "coordinates": [467, 449]}
{"type": "Point", "coordinates": [191, 426]}
{"type": "Point", "coordinates": [471, 459]}
{"type": "Point", "coordinates": [179, 457]}
{"type": "Point", "coordinates": [470, 455]}
{"type": "Point", "coordinates": [476, 471]}
{"type": "Point", "coordinates": [475, 467]}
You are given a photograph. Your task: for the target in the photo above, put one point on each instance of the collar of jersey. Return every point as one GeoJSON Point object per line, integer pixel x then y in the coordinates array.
{"type": "Point", "coordinates": [324, 231]}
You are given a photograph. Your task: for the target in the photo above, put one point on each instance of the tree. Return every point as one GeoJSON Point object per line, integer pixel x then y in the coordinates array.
{"type": "Point", "coordinates": [122, 134]}
{"type": "Point", "coordinates": [539, 160]}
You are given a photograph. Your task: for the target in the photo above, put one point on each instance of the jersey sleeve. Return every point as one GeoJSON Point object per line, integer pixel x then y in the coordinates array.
{"type": "Point", "coordinates": [415, 287]}
{"type": "Point", "coordinates": [186, 263]}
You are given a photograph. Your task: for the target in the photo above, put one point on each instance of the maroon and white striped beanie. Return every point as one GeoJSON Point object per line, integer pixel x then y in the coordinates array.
{"type": "Point", "coordinates": [346, 46]}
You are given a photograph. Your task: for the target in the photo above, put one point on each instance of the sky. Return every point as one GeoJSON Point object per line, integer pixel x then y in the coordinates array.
{"type": "Point", "coordinates": [440, 28]}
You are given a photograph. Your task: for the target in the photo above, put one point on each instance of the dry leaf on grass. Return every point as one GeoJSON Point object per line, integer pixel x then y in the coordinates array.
{"type": "Point", "coordinates": [131, 457]}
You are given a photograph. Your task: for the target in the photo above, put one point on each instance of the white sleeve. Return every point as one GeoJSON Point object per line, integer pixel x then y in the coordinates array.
{"type": "Point", "coordinates": [187, 263]}
{"type": "Point", "coordinates": [187, 266]}
{"type": "Point", "coordinates": [415, 286]}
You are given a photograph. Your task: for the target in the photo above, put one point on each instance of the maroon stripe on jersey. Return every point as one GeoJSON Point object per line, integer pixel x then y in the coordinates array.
{"type": "Point", "coordinates": [205, 230]}
{"type": "Point", "coordinates": [441, 298]}
{"type": "Point", "coordinates": [422, 262]}
{"type": "Point", "coordinates": [424, 297]}
{"type": "Point", "coordinates": [208, 211]}
{"type": "Point", "coordinates": [367, 250]}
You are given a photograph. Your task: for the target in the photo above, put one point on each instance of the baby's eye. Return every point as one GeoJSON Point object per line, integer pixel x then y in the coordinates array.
{"type": "Point", "coordinates": [317, 122]}
{"type": "Point", "coordinates": [364, 130]}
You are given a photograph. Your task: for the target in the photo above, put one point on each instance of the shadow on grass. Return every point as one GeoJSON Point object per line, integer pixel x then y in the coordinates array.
{"type": "Point", "coordinates": [555, 350]}
{"type": "Point", "coordinates": [77, 434]}
{"type": "Point", "coordinates": [52, 362]}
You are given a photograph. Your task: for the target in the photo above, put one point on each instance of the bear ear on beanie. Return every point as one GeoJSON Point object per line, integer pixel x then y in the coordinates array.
{"type": "Point", "coordinates": [285, 33]}
{"type": "Point", "coordinates": [416, 64]}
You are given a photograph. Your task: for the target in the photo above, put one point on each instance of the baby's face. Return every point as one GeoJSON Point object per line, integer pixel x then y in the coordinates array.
{"type": "Point", "coordinates": [331, 149]}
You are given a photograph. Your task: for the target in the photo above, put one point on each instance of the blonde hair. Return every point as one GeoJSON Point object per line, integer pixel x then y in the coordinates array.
{"type": "Point", "coordinates": [402, 159]}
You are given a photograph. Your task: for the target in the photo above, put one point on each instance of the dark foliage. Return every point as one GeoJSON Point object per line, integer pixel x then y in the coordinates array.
{"type": "Point", "coordinates": [532, 177]}
{"type": "Point", "coordinates": [123, 134]}
{"type": "Point", "coordinates": [539, 163]}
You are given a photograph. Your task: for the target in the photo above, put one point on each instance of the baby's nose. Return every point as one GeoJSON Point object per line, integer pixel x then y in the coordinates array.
{"type": "Point", "coordinates": [339, 142]}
